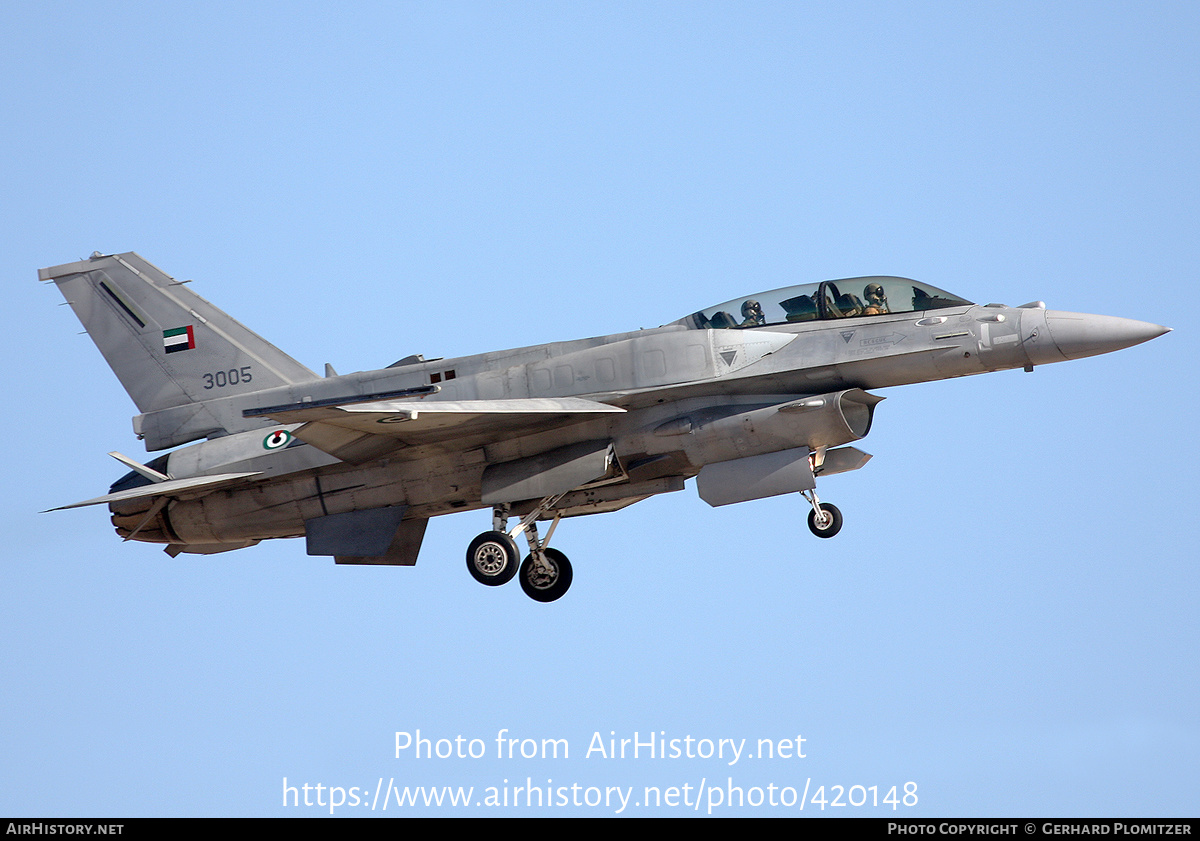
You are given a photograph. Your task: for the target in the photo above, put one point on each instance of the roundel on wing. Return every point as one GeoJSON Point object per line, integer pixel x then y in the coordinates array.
{"type": "Point", "coordinates": [277, 440]}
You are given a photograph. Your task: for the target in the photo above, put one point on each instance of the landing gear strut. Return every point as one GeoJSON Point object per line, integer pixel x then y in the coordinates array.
{"type": "Point", "coordinates": [492, 557]}
{"type": "Point", "coordinates": [548, 580]}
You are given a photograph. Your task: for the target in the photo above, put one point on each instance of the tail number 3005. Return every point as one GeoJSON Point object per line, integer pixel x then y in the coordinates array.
{"type": "Point", "coordinates": [220, 379]}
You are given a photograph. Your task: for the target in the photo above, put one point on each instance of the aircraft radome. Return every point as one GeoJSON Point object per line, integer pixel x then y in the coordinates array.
{"type": "Point", "coordinates": [754, 397]}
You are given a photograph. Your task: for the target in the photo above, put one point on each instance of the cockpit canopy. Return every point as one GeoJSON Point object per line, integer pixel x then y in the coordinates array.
{"type": "Point", "coordinates": [855, 297]}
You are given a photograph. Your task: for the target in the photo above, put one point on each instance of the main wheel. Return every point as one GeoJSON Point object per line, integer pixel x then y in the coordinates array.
{"type": "Point", "coordinates": [832, 523]}
{"type": "Point", "coordinates": [546, 587]}
{"type": "Point", "coordinates": [492, 558]}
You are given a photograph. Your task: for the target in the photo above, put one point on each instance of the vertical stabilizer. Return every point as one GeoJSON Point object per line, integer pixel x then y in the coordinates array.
{"type": "Point", "coordinates": [168, 346]}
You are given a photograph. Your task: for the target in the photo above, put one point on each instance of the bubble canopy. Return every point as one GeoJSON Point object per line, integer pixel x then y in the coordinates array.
{"type": "Point", "coordinates": [855, 297]}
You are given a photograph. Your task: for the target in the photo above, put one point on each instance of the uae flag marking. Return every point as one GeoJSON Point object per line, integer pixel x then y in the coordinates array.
{"type": "Point", "coordinates": [178, 338]}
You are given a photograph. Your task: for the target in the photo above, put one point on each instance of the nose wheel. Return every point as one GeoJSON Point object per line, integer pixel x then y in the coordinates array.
{"type": "Point", "coordinates": [825, 520]}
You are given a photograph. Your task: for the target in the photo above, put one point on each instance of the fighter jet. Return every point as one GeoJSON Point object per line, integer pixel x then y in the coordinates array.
{"type": "Point", "coordinates": [754, 397]}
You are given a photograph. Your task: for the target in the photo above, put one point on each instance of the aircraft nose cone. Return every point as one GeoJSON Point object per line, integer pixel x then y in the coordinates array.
{"type": "Point", "coordinates": [1079, 334]}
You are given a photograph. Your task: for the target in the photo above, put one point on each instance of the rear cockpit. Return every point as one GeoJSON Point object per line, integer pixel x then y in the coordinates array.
{"type": "Point", "coordinates": [855, 297]}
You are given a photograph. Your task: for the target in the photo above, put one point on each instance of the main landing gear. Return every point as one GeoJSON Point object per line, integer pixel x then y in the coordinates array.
{"type": "Point", "coordinates": [493, 558]}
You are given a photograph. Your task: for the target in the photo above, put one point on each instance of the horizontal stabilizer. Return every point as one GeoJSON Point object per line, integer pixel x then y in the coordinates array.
{"type": "Point", "coordinates": [195, 486]}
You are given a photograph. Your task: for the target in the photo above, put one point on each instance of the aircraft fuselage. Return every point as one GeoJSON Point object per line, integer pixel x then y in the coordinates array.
{"type": "Point", "coordinates": [716, 378]}
{"type": "Point", "coordinates": [755, 397]}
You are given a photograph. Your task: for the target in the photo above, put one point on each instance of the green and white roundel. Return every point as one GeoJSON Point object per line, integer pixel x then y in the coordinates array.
{"type": "Point", "coordinates": [277, 440]}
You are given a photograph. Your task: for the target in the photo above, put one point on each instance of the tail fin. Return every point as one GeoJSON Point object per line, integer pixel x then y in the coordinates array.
{"type": "Point", "coordinates": [168, 346]}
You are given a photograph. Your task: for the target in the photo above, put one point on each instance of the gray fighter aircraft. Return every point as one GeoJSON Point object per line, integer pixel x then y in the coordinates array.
{"type": "Point", "coordinates": [754, 397]}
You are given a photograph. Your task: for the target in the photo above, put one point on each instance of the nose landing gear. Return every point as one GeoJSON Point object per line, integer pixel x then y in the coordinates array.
{"type": "Point", "coordinates": [825, 520]}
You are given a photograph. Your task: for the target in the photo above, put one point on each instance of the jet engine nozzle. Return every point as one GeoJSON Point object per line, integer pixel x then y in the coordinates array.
{"type": "Point", "coordinates": [141, 519]}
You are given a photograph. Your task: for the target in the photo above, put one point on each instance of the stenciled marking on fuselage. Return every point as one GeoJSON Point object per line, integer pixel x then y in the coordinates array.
{"type": "Point", "coordinates": [890, 339]}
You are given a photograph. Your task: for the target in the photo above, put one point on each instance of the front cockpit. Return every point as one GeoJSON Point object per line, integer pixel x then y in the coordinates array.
{"type": "Point", "coordinates": [856, 297]}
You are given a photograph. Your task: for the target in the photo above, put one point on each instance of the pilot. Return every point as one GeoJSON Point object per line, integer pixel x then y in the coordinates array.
{"type": "Point", "coordinates": [876, 300]}
{"type": "Point", "coordinates": [753, 314]}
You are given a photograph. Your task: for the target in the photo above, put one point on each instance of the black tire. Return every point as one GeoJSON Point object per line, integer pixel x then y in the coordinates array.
{"type": "Point", "coordinates": [833, 521]}
{"type": "Point", "coordinates": [492, 558]}
{"type": "Point", "coordinates": [543, 588]}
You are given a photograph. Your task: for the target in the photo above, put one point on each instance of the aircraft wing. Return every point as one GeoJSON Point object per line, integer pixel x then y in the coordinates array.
{"type": "Point", "coordinates": [360, 432]}
{"type": "Point", "coordinates": [177, 488]}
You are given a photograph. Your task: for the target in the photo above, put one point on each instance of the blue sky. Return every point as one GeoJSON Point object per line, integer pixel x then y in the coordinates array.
{"type": "Point", "coordinates": [1009, 617]}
